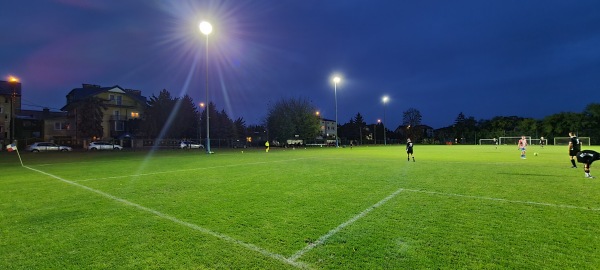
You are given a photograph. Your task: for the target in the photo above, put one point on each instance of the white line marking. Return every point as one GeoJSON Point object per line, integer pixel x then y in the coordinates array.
{"type": "Point", "coordinates": [324, 238]}
{"type": "Point", "coordinates": [186, 170]}
{"type": "Point", "coordinates": [249, 246]}
{"type": "Point", "coordinates": [504, 200]}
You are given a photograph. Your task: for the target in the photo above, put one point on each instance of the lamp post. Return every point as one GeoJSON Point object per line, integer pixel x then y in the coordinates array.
{"type": "Point", "coordinates": [206, 29]}
{"type": "Point", "coordinates": [385, 100]}
{"type": "Point", "coordinates": [13, 81]}
{"type": "Point", "coordinates": [375, 130]}
{"type": "Point", "coordinates": [201, 106]}
{"type": "Point", "coordinates": [336, 80]}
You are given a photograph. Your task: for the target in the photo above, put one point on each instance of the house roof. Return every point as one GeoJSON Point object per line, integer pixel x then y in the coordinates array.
{"type": "Point", "coordinates": [89, 90]}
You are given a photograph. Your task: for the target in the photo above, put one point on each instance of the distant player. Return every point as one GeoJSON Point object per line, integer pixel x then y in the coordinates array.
{"type": "Point", "coordinates": [574, 148]}
{"type": "Point", "coordinates": [409, 150]}
{"type": "Point", "coordinates": [496, 143]}
{"type": "Point", "coordinates": [542, 142]}
{"type": "Point", "coordinates": [587, 157]}
{"type": "Point", "coordinates": [267, 146]}
{"type": "Point", "coordinates": [523, 146]}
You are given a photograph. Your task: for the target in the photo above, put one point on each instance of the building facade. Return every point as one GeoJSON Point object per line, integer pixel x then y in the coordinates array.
{"type": "Point", "coordinates": [123, 109]}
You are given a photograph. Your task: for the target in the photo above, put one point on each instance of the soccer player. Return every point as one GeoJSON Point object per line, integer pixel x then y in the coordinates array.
{"type": "Point", "coordinates": [409, 150]}
{"type": "Point", "coordinates": [522, 146]}
{"type": "Point", "coordinates": [267, 146]}
{"type": "Point", "coordinates": [574, 148]}
{"type": "Point", "coordinates": [587, 157]}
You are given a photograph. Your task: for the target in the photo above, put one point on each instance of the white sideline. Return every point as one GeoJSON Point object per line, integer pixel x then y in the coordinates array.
{"type": "Point", "coordinates": [324, 238]}
{"type": "Point", "coordinates": [503, 200]}
{"type": "Point", "coordinates": [192, 169]}
{"type": "Point", "coordinates": [249, 246]}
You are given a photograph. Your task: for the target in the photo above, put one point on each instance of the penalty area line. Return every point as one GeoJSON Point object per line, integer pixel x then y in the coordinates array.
{"type": "Point", "coordinates": [195, 227]}
{"type": "Point", "coordinates": [332, 232]}
{"type": "Point", "coordinates": [502, 200]}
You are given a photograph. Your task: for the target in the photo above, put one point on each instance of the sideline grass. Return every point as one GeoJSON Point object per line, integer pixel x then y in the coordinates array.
{"type": "Point", "coordinates": [361, 208]}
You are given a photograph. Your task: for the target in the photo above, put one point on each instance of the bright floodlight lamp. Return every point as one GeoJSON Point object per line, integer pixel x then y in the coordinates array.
{"type": "Point", "coordinates": [385, 99]}
{"type": "Point", "coordinates": [206, 29]}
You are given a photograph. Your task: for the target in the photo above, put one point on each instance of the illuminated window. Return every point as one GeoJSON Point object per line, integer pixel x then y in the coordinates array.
{"type": "Point", "coordinates": [135, 114]}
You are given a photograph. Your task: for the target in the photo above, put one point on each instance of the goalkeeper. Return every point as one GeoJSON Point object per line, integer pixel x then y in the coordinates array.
{"type": "Point", "coordinates": [587, 157]}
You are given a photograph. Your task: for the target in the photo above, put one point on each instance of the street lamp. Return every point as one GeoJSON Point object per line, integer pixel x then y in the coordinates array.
{"type": "Point", "coordinates": [206, 29]}
{"type": "Point", "coordinates": [201, 106]}
{"type": "Point", "coordinates": [14, 82]}
{"type": "Point", "coordinates": [385, 99]}
{"type": "Point", "coordinates": [336, 80]}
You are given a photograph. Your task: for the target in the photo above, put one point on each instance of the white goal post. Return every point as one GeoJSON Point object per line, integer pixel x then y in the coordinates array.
{"type": "Point", "coordinates": [488, 141]}
{"type": "Point", "coordinates": [565, 140]}
{"type": "Point", "coordinates": [539, 141]}
{"type": "Point", "coordinates": [512, 140]}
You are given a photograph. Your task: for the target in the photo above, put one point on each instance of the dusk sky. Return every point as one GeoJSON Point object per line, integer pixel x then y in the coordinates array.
{"type": "Point", "coordinates": [482, 58]}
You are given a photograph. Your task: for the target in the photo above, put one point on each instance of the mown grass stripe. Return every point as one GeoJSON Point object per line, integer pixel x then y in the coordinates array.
{"type": "Point", "coordinates": [227, 238]}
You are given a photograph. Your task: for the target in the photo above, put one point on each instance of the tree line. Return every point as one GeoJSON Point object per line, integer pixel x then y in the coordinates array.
{"type": "Point", "coordinates": [178, 117]}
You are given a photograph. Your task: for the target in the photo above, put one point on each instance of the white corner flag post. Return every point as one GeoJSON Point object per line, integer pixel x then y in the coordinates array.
{"type": "Point", "coordinates": [13, 147]}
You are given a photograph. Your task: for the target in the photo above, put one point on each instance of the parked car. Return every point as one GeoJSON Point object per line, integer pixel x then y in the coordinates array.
{"type": "Point", "coordinates": [190, 145]}
{"type": "Point", "coordinates": [104, 146]}
{"type": "Point", "coordinates": [47, 146]}
{"type": "Point", "coordinates": [238, 144]}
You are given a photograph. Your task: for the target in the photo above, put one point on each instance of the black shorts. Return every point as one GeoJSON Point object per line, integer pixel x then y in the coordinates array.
{"type": "Point", "coordinates": [585, 159]}
{"type": "Point", "coordinates": [409, 151]}
{"type": "Point", "coordinates": [573, 153]}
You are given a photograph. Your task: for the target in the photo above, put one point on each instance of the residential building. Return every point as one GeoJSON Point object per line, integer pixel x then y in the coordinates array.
{"type": "Point", "coordinates": [124, 107]}
{"type": "Point", "coordinates": [10, 107]}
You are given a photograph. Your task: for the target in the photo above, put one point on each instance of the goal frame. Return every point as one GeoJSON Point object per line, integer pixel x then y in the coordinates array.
{"type": "Point", "coordinates": [501, 139]}
{"type": "Point", "coordinates": [583, 140]}
{"type": "Point", "coordinates": [492, 141]}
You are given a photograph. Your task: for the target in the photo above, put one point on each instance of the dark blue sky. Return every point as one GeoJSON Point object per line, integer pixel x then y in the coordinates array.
{"type": "Point", "coordinates": [482, 58]}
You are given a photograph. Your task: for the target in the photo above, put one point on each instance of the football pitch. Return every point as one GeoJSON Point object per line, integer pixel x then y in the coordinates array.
{"type": "Point", "coordinates": [456, 207]}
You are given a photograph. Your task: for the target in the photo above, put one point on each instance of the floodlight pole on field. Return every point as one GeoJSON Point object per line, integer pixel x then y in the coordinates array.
{"type": "Point", "coordinates": [206, 29]}
{"type": "Point", "coordinates": [336, 80]}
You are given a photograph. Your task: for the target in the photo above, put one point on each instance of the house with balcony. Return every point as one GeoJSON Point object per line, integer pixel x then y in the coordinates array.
{"type": "Point", "coordinates": [124, 109]}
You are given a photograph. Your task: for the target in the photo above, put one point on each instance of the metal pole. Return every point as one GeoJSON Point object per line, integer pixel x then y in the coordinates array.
{"type": "Point", "coordinates": [336, 114]}
{"type": "Point", "coordinates": [207, 104]}
{"type": "Point", "coordinates": [384, 138]}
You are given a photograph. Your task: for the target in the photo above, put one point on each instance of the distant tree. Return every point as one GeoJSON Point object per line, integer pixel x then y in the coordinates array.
{"type": "Point", "coordinates": [591, 122]}
{"type": "Point", "coordinates": [412, 118]}
{"type": "Point", "coordinates": [291, 117]}
{"type": "Point", "coordinates": [186, 119]}
{"type": "Point", "coordinates": [239, 129]}
{"type": "Point", "coordinates": [89, 117]}
{"type": "Point", "coordinates": [361, 125]}
{"type": "Point", "coordinates": [158, 112]}
{"type": "Point", "coordinates": [559, 125]}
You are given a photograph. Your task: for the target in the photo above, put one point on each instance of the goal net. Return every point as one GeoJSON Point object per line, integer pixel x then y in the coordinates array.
{"type": "Point", "coordinates": [565, 140]}
{"type": "Point", "coordinates": [512, 140]}
{"type": "Point", "coordinates": [488, 141]}
{"type": "Point", "coordinates": [539, 141]}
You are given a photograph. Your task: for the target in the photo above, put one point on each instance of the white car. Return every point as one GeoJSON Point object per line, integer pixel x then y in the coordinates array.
{"type": "Point", "coordinates": [104, 146]}
{"type": "Point", "coordinates": [190, 145]}
{"type": "Point", "coordinates": [47, 146]}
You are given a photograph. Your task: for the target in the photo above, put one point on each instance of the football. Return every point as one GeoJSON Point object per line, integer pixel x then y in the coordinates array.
{"type": "Point", "coordinates": [535, 154]}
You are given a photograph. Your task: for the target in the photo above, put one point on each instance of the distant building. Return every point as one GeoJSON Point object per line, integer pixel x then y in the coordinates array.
{"type": "Point", "coordinates": [10, 107]}
{"type": "Point", "coordinates": [327, 128]}
{"type": "Point", "coordinates": [124, 106]}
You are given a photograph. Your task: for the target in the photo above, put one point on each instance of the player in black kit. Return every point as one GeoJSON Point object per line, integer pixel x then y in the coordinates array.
{"type": "Point", "coordinates": [409, 150]}
{"type": "Point", "coordinates": [587, 157]}
{"type": "Point", "coordinates": [574, 148]}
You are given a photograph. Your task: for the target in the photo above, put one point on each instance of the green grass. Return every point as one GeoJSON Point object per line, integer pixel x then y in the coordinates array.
{"type": "Point", "coordinates": [457, 207]}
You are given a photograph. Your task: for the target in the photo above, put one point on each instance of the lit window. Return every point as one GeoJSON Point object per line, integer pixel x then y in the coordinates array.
{"type": "Point", "coordinates": [135, 114]}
